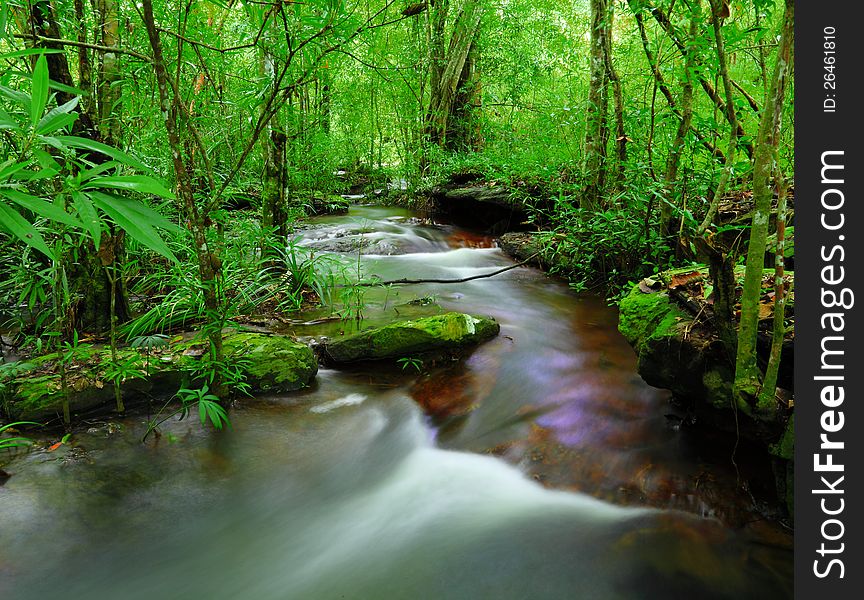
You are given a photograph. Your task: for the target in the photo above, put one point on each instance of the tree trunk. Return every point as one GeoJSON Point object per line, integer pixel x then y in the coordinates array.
{"type": "Point", "coordinates": [108, 87]}
{"type": "Point", "coordinates": [594, 165]}
{"type": "Point", "coordinates": [747, 376]}
{"type": "Point", "coordinates": [769, 385]}
{"type": "Point", "coordinates": [618, 95]}
{"type": "Point", "coordinates": [442, 101]}
{"type": "Point", "coordinates": [664, 87]}
{"type": "Point", "coordinates": [732, 148]}
{"type": "Point", "coordinates": [208, 262]}
{"type": "Point", "coordinates": [273, 143]}
{"type": "Point", "coordinates": [464, 133]}
{"type": "Point", "coordinates": [88, 281]}
{"type": "Point", "coordinates": [667, 219]}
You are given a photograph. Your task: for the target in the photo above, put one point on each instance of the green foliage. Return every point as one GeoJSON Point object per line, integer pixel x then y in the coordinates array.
{"type": "Point", "coordinates": [7, 443]}
{"type": "Point", "coordinates": [410, 362]}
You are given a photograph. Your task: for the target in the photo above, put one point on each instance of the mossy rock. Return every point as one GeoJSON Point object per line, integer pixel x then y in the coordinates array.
{"type": "Point", "coordinates": [270, 363]}
{"type": "Point", "coordinates": [448, 331]}
{"type": "Point", "coordinates": [645, 317]}
{"type": "Point", "coordinates": [275, 363]}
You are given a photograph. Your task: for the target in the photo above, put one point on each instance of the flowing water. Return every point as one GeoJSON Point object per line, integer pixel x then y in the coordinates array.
{"type": "Point", "coordinates": [539, 466]}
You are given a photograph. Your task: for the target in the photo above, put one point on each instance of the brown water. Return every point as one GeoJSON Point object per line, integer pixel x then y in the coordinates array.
{"type": "Point", "coordinates": [377, 482]}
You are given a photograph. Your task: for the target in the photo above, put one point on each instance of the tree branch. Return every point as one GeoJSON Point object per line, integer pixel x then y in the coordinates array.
{"type": "Point", "coordinates": [77, 44]}
{"type": "Point", "coordinates": [460, 280]}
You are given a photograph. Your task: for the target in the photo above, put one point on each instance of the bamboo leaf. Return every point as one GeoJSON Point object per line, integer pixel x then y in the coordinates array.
{"type": "Point", "coordinates": [118, 155]}
{"type": "Point", "coordinates": [127, 218]}
{"type": "Point", "coordinates": [14, 223]}
{"type": "Point", "coordinates": [133, 183]}
{"type": "Point", "coordinates": [41, 207]}
{"type": "Point", "coordinates": [6, 121]}
{"type": "Point", "coordinates": [58, 117]}
{"type": "Point", "coordinates": [39, 90]}
{"type": "Point", "coordinates": [19, 98]}
{"type": "Point", "coordinates": [89, 216]}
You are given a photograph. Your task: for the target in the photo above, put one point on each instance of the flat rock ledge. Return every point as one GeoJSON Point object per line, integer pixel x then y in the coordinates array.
{"type": "Point", "coordinates": [269, 364]}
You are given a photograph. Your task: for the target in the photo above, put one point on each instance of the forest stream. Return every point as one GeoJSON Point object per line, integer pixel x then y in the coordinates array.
{"type": "Point", "coordinates": [538, 466]}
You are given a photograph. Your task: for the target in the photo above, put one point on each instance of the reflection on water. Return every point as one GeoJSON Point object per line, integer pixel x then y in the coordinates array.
{"type": "Point", "coordinates": [349, 490]}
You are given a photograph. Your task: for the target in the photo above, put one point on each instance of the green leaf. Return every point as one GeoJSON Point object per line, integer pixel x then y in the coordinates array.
{"type": "Point", "coordinates": [118, 155]}
{"type": "Point", "coordinates": [89, 216]}
{"type": "Point", "coordinates": [41, 207]}
{"type": "Point", "coordinates": [133, 183]}
{"type": "Point", "coordinates": [14, 223]}
{"type": "Point", "coordinates": [58, 117]}
{"type": "Point", "coordinates": [154, 218]}
{"type": "Point", "coordinates": [11, 167]}
{"type": "Point", "coordinates": [19, 98]}
{"type": "Point", "coordinates": [129, 220]}
{"type": "Point", "coordinates": [39, 90]}
{"type": "Point", "coordinates": [202, 411]}
{"type": "Point", "coordinates": [6, 121]}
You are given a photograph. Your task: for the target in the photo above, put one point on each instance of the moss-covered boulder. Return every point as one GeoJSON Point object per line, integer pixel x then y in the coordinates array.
{"type": "Point", "coordinates": [273, 363]}
{"type": "Point", "coordinates": [437, 333]}
{"type": "Point", "coordinates": [268, 363]}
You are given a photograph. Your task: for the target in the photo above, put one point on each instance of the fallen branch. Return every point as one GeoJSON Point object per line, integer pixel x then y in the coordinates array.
{"type": "Point", "coordinates": [461, 280]}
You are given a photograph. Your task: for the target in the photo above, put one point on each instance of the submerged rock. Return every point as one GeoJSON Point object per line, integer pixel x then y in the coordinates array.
{"type": "Point", "coordinates": [449, 331]}
{"type": "Point", "coordinates": [269, 363]}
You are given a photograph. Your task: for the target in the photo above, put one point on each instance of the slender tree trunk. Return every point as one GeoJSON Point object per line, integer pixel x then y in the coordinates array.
{"type": "Point", "coordinates": [109, 90]}
{"type": "Point", "coordinates": [208, 262]}
{"type": "Point", "coordinates": [778, 334]}
{"type": "Point", "coordinates": [747, 377]}
{"type": "Point", "coordinates": [594, 166]}
{"type": "Point", "coordinates": [85, 68]}
{"type": "Point", "coordinates": [664, 22]}
{"type": "Point", "coordinates": [273, 143]}
{"type": "Point", "coordinates": [618, 95]}
{"type": "Point", "coordinates": [667, 219]}
{"type": "Point", "coordinates": [720, 190]}
{"type": "Point", "coordinates": [660, 81]}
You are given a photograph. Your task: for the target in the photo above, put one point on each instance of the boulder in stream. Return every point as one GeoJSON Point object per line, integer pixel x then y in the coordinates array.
{"type": "Point", "coordinates": [270, 363]}
{"type": "Point", "coordinates": [449, 331]}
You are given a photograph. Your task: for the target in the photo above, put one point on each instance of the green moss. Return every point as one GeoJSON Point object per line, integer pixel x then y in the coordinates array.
{"type": "Point", "coordinates": [718, 388]}
{"type": "Point", "coordinates": [643, 317]}
{"type": "Point", "coordinates": [273, 362]}
{"type": "Point", "coordinates": [269, 362]}
{"type": "Point", "coordinates": [438, 332]}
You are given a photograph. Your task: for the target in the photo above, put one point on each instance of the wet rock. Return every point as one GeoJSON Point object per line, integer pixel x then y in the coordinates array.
{"type": "Point", "coordinates": [365, 245]}
{"type": "Point", "coordinates": [437, 333]}
{"type": "Point", "coordinates": [270, 363]}
{"type": "Point", "coordinates": [521, 246]}
{"type": "Point", "coordinates": [541, 248]}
